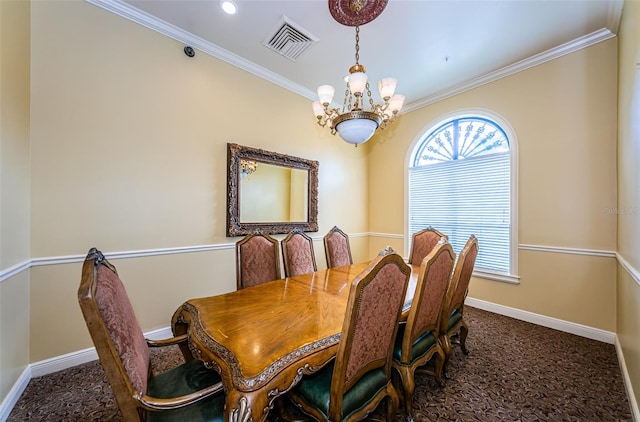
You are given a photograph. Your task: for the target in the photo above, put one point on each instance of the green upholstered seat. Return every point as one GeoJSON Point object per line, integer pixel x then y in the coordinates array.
{"type": "Point", "coordinates": [422, 345]}
{"type": "Point", "coordinates": [316, 390]}
{"type": "Point", "coordinates": [454, 318]}
{"type": "Point", "coordinates": [184, 379]}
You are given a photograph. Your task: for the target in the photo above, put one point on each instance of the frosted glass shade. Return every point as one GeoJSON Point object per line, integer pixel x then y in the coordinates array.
{"type": "Point", "coordinates": [396, 102]}
{"type": "Point", "coordinates": [357, 131]}
{"type": "Point", "coordinates": [387, 87]}
{"type": "Point", "coordinates": [357, 81]}
{"type": "Point", "coordinates": [325, 94]}
{"type": "Point", "coordinates": [318, 109]}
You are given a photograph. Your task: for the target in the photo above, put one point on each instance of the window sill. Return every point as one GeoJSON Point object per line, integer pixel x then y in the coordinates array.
{"type": "Point", "coordinates": [505, 278]}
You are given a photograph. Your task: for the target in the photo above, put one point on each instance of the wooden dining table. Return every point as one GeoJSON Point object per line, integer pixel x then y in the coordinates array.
{"type": "Point", "coordinates": [264, 338]}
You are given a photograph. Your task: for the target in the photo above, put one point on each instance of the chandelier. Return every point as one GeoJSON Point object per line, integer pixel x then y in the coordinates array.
{"type": "Point", "coordinates": [247, 167]}
{"type": "Point", "coordinates": [359, 117]}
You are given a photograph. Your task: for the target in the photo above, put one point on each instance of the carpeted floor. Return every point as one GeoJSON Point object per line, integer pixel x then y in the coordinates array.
{"type": "Point", "coordinates": [516, 371]}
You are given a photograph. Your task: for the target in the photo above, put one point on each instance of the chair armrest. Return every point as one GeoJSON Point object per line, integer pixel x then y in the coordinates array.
{"type": "Point", "coordinates": [153, 403]}
{"type": "Point", "coordinates": [167, 341]}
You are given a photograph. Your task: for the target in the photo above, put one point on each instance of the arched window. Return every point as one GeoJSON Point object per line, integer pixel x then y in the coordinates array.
{"type": "Point", "coordinates": [460, 182]}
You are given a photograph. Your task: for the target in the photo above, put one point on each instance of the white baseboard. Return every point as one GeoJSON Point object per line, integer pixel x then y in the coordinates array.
{"type": "Point", "coordinates": [545, 321]}
{"type": "Point", "coordinates": [14, 394]}
{"type": "Point", "coordinates": [58, 363]}
{"type": "Point", "coordinates": [635, 411]}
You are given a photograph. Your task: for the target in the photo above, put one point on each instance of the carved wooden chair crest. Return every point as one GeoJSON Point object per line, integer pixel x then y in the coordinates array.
{"type": "Point", "coordinates": [187, 392]}
{"type": "Point", "coordinates": [257, 260]}
{"type": "Point", "coordinates": [297, 253]}
{"type": "Point", "coordinates": [356, 382]}
{"type": "Point", "coordinates": [337, 249]}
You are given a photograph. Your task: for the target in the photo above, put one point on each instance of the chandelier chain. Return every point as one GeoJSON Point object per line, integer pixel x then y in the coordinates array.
{"type": "Point", "coordinates": [357, 45]}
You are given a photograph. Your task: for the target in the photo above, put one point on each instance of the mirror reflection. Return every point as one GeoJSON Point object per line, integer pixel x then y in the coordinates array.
{"type": "Point", "coordinates": [270, 193]}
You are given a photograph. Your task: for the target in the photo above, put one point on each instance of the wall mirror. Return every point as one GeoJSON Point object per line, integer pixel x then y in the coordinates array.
{"type": "Point", "coordinates": [270, 192]}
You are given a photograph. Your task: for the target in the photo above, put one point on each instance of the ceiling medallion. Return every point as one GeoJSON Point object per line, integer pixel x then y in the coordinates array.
{"type": "Point", "coordinates": [356, 12]}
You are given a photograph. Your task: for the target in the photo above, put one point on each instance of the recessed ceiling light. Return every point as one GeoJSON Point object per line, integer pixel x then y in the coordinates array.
{"type": "Point", "coordinates": [229, 7]}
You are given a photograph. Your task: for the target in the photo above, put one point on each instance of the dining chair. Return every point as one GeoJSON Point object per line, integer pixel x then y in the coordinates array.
{"type": "Point", "coordinates": [422, 242]}
{"type": "Point", "coordinates": [453, 327]}
{"type": "Point", "coordinates": [417, 342]}
{"type": "Point", "coordinates": [352, 386]}
{"type": "Point", "coordinates": [188, 391]}
{"type": "Point", "coordinates": [336, 248]}
{"type": "Point", "coordinates": [297, 254]}
{"type": "Point", "coordinates": [257, 260]}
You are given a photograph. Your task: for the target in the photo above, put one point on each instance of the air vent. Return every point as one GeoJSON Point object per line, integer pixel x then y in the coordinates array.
{"type": "Point", "coordinates": [289, 39]}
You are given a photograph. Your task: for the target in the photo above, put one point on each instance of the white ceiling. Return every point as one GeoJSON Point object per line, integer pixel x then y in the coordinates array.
{"type": "Point", "coordinates": [435, 48]}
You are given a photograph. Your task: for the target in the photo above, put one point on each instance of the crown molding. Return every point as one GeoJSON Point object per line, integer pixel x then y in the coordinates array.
{"type": "Point", "coordinates": [615, 14]}
{"type": "Point", "coordinates": [551, 54]}
{"type": "Point", "coordinates": [133, 14]}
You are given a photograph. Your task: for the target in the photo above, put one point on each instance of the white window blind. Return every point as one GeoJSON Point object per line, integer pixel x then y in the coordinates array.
{"type": "Point", "coordinates": [464, 197]}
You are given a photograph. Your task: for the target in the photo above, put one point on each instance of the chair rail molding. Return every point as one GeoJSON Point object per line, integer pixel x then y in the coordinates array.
{"type": "Point", "coordinates": [70, 259]}
{"type": "Point", "coordinates": [635, 274]}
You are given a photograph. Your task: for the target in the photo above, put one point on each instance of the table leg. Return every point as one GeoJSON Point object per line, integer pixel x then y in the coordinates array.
{"type": "Point", "coordinates": [245, 407]}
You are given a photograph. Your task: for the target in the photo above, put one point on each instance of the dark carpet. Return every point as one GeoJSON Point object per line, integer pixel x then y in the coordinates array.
{"type": "Point", "coordinates": [515, 371]}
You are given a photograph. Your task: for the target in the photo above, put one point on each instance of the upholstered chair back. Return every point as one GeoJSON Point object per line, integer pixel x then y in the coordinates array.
{"type": "Point", "coordinates": [297, 253]}
{"type": "Point", "coordinates": [257, 260]}
{"type": "Point", "coordinates": [429, 296]}
{"type": "Point", "coordinates": [337, 249]}
{"type": "Point", "coordinates": [422, 242]}
{"type": "Point", "coordinates": [115, 331]}
{"type": "Point", "coordinates": [375, 304]}
{"type": "Point", "coordinates": [453, 327]}
{"type": "Point", "coordinates": [462, 274]}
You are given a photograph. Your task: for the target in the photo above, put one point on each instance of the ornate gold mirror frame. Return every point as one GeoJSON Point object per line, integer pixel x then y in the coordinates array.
{"type": "Point", "coordinates": [243, 161]}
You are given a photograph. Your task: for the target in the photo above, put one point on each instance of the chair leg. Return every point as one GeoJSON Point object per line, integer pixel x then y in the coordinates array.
{"type": "Point", "coordinates": [464, 330]}
{"type": "Point", "coordinates": [408, 388]}
{"type": "Point", "coordinates": [392, 404]}
{"type": "Point", "coordinates": [439, 367]}
{"type": "Point", "coordinates": [446, 348]}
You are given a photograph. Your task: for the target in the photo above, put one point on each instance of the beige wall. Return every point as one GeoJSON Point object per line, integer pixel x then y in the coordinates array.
{"type": "Point", "coordinates": [129, 153]}
{"type": "Point", "coordinates": [14, 190]}
{"type": "Point", "coordinates": [128, 149]}
{"type": "Point", "coordinates": [563, 113]}
{"type": "Point", "coordinates": [628, 311]}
